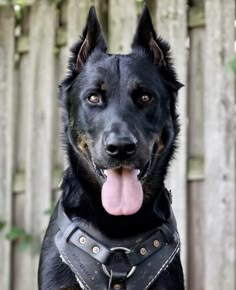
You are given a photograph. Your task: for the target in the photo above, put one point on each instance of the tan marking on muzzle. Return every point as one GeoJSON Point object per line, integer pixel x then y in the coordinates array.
{"type": "Point", "coordinates": [83, 144]}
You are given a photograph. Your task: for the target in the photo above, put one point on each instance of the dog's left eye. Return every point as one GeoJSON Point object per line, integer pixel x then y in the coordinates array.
{"type": "Point", "coordinates": [145, 99]}
{"type": "Point", "coordinates": [94, 99]}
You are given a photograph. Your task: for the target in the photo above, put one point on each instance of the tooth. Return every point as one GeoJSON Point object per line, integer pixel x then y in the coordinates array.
{"type": "Point", "coordinates": [138, 171]}
{"type": "Point", "coordinates": [105, 172]}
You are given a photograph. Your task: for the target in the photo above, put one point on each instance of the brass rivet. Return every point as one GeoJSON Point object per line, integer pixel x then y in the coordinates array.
{"type": "Point", "coordinates": [116, 286]}
{"type": "Point", "coordinates": [95, 249]}
{"type": "Point", "coordinates": [156, 243]}
{"type": "Point", "coordinates": [82, 240]}
{"type": "Point", "coordinates": [143, 251]}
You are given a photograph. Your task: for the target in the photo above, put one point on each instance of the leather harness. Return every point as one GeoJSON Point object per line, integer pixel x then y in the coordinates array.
{"type": "Point", "coordinates": [102, 263]}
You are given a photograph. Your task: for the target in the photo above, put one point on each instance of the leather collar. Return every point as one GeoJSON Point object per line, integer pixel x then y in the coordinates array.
{"type": "Point", "coordinates": [102, 263]}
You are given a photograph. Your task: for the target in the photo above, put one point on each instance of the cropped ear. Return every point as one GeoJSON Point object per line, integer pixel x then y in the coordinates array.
{"type": "Point", "coordinates": [145, 38]}
{"type": "Point", "coordinates": [91, 39]}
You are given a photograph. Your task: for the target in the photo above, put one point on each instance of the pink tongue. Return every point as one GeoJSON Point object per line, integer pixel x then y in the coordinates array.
{"type": "Point", "coordinates": [122, 193]}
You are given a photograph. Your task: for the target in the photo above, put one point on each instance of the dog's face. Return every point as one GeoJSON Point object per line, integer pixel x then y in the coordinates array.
{"type": "Point", "coordinates": [121, 112]}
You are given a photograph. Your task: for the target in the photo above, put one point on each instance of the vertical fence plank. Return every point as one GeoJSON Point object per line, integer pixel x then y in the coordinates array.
{"type": "Point", "coordinates": [219, 146]}
{"type": "Point", "coordinates": [58, 152]}
{"type": "Point", "coordinates": [102, 11]}
{"type": "Point", "coordinates": [196, 154]}
{"type": "Point", "coordinates": [60, 71]}
{"type": "Point", "coordinates": [211, 262]}
{"type": "Point", "coordinates": [172, 25]}
{"type": "Point", "coordinates": [22, 96]}
{"type": "Point", "coordinates": [77, 14]}
{"type": "Point", "coordinates": [18, 256]}
{"type": "Point", "coordinates": [7, 24]}
{"type": "Point", "coordinates": [122, 21]}
{"type": "Point", "coordinates": [39, 142]}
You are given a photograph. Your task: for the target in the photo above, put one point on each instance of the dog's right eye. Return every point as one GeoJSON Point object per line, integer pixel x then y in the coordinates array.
{"type": "Point", "coordinates": [94, 99]}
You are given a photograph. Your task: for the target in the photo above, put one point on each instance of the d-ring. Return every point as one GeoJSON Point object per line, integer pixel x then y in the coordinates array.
{"type": "Point", "coordinates": [127, 251]}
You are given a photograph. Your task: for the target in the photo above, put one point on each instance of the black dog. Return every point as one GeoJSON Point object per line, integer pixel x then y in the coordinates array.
{"type": "Point", "coordinates": [113, 227]}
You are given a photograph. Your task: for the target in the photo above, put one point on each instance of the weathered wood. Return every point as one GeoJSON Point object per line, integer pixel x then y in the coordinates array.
{"type": "Point", "coordinates": [61, 38]}
{"type": "Point", "coordinates": [22, 95]}
{"type": "Point", "coordinates": [196, 16]}
{"type": "Point", "coordinates": [19, 177]}
{"type": "Point", "coordinates": [39, 139]}
{"type": "Point", "coordinates": [152, 6]}
{"type": "Point", "coordinates": [122, 24]}
{"type": "Point", "coordinates": [58, 151]}
{"type": "Point", "coordinates": [60, 69]}
{"type": "Point", "coordinates": [102, 11]}
{"type": "Point", "coordinates": [40, 67]}
{"type": "Point", "coordinates": [22, 44]}
{"type": "Point", "coordinates": [7, 24]}
{"type": "Point", "coordinates": [18, 256]}
{"type": "Point", "coordinates": [172, 26]}
{"type": "Point", "coordinates": [196, 155]}
{"type": "Point", "coordinates": [195, 168]}
{"type": "Point", "coordinates": [196, 92]}
{"type": "Point", "coordinates": [77, 12]}
{"type": "Point", "coordinates": [196, 218]}
{"type": "Point", "coordinates": [76, 18]}
{"type": "Point", "coordinates": [219, 104]}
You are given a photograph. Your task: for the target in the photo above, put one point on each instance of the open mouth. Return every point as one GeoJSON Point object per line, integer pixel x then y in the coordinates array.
{"type": "Point", "coordinates": [141, 174]}
{"type": "Point", "coordinates": [122, 192]}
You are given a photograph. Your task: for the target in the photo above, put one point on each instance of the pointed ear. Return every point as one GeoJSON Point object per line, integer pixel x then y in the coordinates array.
{"type": "Point", "coordinates": [92, 38]}
{"type": "Point", "coordinates": [145, 38]}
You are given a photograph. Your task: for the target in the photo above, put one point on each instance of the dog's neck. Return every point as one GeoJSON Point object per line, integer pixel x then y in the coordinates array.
{"type": "Point", "coordinates": [82, 198]}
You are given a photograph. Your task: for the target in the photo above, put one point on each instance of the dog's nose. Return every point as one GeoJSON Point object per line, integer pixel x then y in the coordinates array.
{"type": "Point", "coordinates": [120, 146]}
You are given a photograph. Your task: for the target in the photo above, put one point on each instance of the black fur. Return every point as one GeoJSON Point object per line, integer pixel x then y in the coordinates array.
{"type": "Point", "coordinates": [119, 81]}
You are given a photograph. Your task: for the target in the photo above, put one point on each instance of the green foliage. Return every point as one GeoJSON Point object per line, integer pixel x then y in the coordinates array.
{"type": "Point", "coordinates": [232, 63]}
{"type": "Point", "coordinates": [56, 51]}
{"type": "Point", "coordinates": [2, 225]}
{"type": "Point", "coordinates": [23, 239]}
{"type": "Point", "coordinates": [10, 2]}
{"type": "Point", "coordinates": [25, 243]}
{"type": "Point", "coordinates": [50, 210]}
{"type": "Point", "coordinates": [21, 3]}
{"type": "Point", "coordinates": [19, 235]}
{"type": "Point", "coordinates": [15, 233]}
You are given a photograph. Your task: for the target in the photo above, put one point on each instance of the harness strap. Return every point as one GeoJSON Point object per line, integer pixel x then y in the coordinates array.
{"type": "Point", "coordinates": [137, 254]}
{"type": "Point", "coordinates": [90, 275]}
{"type": "Point", "coordinates": [104, 265]}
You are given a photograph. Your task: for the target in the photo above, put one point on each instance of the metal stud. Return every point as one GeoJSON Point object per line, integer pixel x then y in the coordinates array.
{"type": "Point", "coordinates": [143, 251]}
{"type": "Point", "coordinates": [82, 240]}
{"type": "Point", "coordinates": [156, 243]}
{"type": "Point", "coordinates": [95, 249]}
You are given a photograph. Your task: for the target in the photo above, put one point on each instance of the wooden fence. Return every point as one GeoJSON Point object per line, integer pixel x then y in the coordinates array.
{"type": "Point", "coordinates": [34, 45]}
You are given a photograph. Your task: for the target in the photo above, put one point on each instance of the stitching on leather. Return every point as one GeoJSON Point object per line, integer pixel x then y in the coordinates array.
{"type": "Point", "coordinates": [72, 266]}
{"type": "Point", "coordinates": [166, 264]}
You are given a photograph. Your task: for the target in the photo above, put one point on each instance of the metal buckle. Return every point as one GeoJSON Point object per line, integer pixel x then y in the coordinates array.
{"type": "Point", "coordinates": [127, 251]}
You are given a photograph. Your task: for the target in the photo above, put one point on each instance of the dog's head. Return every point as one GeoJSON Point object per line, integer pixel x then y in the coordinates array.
{"type": "Point", "coordinates": [120, 117]}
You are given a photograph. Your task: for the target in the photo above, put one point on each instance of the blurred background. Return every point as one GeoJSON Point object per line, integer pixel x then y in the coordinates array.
{"type": "Point", "coordinates": [35, 36]}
